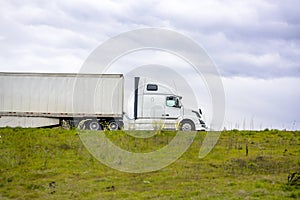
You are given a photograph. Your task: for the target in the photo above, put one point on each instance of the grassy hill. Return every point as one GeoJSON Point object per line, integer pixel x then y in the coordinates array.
{"type": "Point", "coordinates": [54, 164]}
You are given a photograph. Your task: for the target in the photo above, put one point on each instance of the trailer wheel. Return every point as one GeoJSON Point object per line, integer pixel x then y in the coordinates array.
{"type": "Point", "coordinates": [187, 125]}
{"type": "Point", "coordinates": [113, 125]}
{"type": "Point", "coordinates": [93, 125]}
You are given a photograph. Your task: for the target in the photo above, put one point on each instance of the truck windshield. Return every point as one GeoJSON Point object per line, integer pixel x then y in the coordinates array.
{"type": "Point", "coordinates": [173, 102]}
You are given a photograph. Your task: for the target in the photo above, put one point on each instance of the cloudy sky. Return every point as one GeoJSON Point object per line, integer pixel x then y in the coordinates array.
{"type": "Point", "coordinates": [255, 45]}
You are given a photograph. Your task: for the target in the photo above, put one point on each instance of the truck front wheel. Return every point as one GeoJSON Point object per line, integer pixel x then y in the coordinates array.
{"type": "Point", "coordinates": [187, 125]}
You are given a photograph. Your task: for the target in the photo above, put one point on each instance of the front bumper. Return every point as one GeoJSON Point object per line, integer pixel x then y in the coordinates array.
{"type": "Point", "coordinates": [201, 126]}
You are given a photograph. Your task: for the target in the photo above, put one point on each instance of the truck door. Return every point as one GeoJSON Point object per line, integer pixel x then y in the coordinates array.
{"type": "Point", "coordinates": [173, 107]}
{"type": "Point", "coordinates": [153, 106]}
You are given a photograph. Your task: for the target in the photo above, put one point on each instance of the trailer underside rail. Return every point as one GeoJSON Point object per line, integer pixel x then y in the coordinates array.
{"type": "Point", "coordinates": [60, 115]}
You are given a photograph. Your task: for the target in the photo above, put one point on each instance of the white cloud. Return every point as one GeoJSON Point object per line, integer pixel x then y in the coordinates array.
{"type": "Point", "coordinates": [269, 103]}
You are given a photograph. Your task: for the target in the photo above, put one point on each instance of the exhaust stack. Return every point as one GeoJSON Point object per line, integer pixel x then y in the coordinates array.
{"type": "Point", "coordinates": [136, 93]}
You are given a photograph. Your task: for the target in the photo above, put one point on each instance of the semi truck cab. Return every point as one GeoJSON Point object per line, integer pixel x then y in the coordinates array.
{"type": "Point", "coordinates": [157, 106]}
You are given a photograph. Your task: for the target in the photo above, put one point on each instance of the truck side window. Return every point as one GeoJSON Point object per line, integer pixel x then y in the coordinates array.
{"type": "Point", "coordinates": [172, 102]}
{"type": "Point", "coordinates": [152, 87]}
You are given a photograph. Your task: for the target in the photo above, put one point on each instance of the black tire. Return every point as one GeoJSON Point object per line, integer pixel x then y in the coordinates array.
{"type": "Point", "coordinates": [187, 125]}
{"type": "Point", "coordinates": [113, 125]}
{"type": "Point", "coordinates": [93, 125]}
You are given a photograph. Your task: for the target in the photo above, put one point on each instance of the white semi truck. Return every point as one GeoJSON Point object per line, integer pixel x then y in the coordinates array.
{"type": "Point", "coordinates": [91, 101]}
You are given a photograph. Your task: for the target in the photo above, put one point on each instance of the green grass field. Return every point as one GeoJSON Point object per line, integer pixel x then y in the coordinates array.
{"type": "Point", "coordinates": [54, 164]}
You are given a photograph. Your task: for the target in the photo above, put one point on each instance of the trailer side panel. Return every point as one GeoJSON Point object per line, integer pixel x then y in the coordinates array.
{"type": "Point", "coordinates": [61, 95]}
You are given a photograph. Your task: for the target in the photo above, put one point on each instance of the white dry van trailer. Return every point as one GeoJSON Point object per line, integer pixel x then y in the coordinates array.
{"type": "Point", "coordinates": [91, 101]}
